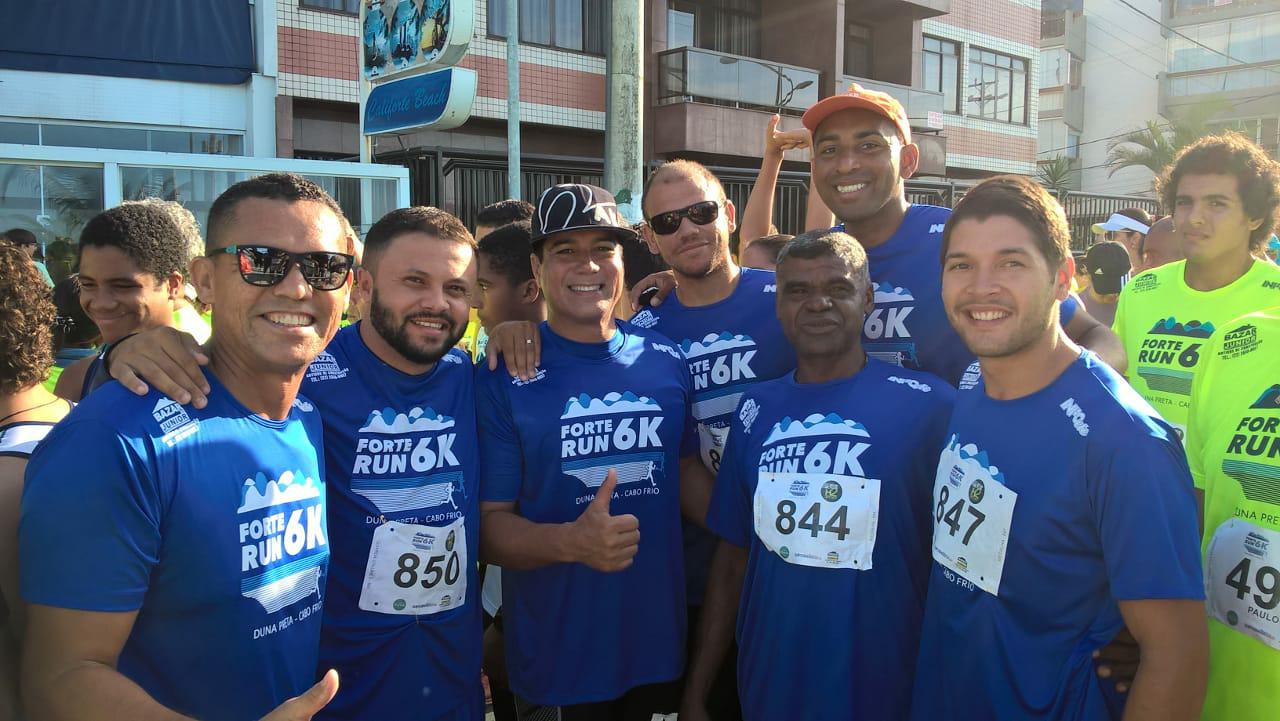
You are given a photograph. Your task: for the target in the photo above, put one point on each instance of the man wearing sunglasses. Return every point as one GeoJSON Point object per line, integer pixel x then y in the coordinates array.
{"type": "Point", "coordinates": [401, 618]}
{"type": "Point", "coordinates": [174, 558]}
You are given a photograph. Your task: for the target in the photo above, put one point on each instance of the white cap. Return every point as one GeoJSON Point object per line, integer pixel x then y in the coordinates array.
{"type": "Point", "coordinates": [1121, 222]}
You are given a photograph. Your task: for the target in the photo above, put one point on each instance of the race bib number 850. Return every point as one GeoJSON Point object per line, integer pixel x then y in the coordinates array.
{"type": "Point", "coordinates": [819, 520]}
{"type": "Point", "coordinates": [416, 570]}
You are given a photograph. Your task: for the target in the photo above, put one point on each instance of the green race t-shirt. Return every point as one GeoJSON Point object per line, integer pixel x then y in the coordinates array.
{"type": "Point", "coordinates": [1233, 447]}
{"type": "Point", "coordinates": [1164, 325]}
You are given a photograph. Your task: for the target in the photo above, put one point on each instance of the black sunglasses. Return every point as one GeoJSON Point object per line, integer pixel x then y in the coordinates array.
{"type": "Point", "coordinates": [264, 266]}
{"type": "Point", "coordinates": [700, 213]}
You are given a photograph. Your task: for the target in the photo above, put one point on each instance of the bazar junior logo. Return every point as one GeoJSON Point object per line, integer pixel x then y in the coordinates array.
{"type": "Point", "coordinates": [325, 368]}
{"type": "Point", "coordinates": [282, 539]}
{"type": "Point", "coordinates": [406, 461]}
{"type": "Point", "coordinates": [644, 319]}
{"type": "Point", "coordinates": [817, 444]}
{"type": "Point", "coordinates": [616, 430]}
{"type": "Point", "coordinates": [174, 422]}
{"type": "Point", "coordinates": [1239, 341]}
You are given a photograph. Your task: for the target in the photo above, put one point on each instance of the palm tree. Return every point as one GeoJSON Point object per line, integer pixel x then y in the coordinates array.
{"type": "Point", "coordinates": [1056, 174]}
{"type": "Point", "coordinates": [1155, 146]}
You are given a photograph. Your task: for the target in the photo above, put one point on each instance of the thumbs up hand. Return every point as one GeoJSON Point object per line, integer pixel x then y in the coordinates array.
{"type": "Point", "coordinates": [302, 708]}
{"type": "Point", "coordinates": [602, 541]}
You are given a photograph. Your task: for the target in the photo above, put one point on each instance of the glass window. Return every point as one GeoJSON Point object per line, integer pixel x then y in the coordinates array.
{"type": "Point", "coordinates": [997, 87]}
{"type": "Point", "coordinates": [196, 189]}
{"type": "Point", "coordinates": [567, 24]}
{"type": "Point", "coordinates": [941, 70]}
{"type": "Point", "coordinates": [52, 201]}
{"type": "Point", "coordinates": [20, 133]}
{"type": "Point", "coordinates": [343, 6]}
{"type": "Point", "coordinates": [679, 29]}
{"type": "Point", "coordinates": [91, 136]}
{"type": "Point", "coordinates": [857, 51]}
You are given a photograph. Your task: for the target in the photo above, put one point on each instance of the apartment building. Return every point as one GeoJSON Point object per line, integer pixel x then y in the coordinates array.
{"type": "Point", "coordinates": [1109, 67]}
{"type": "Point", "coordinates": [1225, 54]}
{"type": "Point", "coordinates": [92, 115]}
{"type": "Point", "coordinates": [715, 70]}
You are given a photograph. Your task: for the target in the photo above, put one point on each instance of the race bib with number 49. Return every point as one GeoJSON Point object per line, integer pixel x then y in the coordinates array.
{"type": "Point", "coordinates": [416, 570]}
{"type": "Point", "coordinates": [813, 519]}
{"type": "Point", "coordinates": [973, 512]}
{"type": "Point", "coordinates": [1242, 579]}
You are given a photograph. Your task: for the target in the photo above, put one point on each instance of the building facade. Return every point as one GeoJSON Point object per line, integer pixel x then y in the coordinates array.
{"type": "Point", "coordinates": [715, 70]}
{"type": "Point", "coordinates": [93, 116]}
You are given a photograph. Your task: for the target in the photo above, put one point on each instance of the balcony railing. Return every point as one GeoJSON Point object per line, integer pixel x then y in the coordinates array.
{"type": "Point", "coordinates": [692, 74]}
{"type": "Point", "coordinates": [918, 102]}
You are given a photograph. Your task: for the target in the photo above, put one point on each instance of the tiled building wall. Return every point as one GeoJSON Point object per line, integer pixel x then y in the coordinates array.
{"type": "Point", "coordinates": [1010, 27]}
{"type": "Point", "coordinates": [319, 60]}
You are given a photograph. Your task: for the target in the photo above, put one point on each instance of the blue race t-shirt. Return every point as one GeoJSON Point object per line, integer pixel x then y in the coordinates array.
{"type": "Point", "coordinates": [909, 326]}
{"type": "Point", "coordinates": [573, 634]}
{"type": "Point", "coordinates": [210, 523]}
{"type": "Point", "coordinates": [730, 345]}
{"type": "Point", "coordinates": [402, 618]}
{"type": "Point", "coordinates": [828, 487]}
{"type": "Point", "coordinates": [1048, 511]}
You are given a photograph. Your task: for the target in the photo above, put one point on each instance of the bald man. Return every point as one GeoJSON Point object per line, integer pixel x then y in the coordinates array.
{"type": "Point", "coordinates": [1161, 245]}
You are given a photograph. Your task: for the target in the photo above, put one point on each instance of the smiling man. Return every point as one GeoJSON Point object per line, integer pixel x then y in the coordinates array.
{"type": "Point", "coordinates": [592, 450]}
{"type": "Point", "coordinates": [192, 585]}
{"type": "Point", "coordinates": [1062, 504]}
{"type": "Point", "coordinates": [1224, 192]}
{"type": "Point", "coordinates": [822, 504]}
{"type": "Point", "coordinates": [862, 155]}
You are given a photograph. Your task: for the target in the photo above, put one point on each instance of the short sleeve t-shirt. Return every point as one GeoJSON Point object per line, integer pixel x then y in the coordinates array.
{"type": "Point", "coordinates": [828, 486]}
{"type": "Point", "coordinates": [1165, 325]}
{"type": "Point", "coordinates": [210, 523]}
{"type": "Point", "coordinates": [1233, 445]}
{"type": "Point", "coordinates": [546, 444]}
{"type": "Point", "coordinates": [730, 345]}
{"type": "Point", "coordinates": [1048, 510]}
{"type": "Point", "coordinates": [402, 460]}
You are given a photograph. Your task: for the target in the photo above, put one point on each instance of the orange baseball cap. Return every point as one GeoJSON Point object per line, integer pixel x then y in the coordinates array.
{"type": "Point", "coordinates": [859, 98]}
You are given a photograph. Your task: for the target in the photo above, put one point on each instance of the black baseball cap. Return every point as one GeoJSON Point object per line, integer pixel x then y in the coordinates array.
{"type": "Point", "coordinates": [1109, 266]}
{"type": "Point", "coordinates": [576, 206]}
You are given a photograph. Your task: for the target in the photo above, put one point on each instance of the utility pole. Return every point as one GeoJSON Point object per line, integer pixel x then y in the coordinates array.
{"type": "Point", "coordinates": [513, 98]}
{"type": "Point", "coordinates": [623, 142]}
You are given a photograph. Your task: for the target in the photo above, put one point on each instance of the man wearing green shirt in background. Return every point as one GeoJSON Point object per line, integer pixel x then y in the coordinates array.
{"type": "Point", "coordinates": [1224, 191]}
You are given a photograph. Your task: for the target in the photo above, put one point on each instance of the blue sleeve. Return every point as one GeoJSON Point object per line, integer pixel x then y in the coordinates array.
{"type": "Point", "coordinates": [730, 515]}
{"type": "Point", "coordinates": [1067, 311]}
{"type": "Point", "coordinates": [1147, 520]}
{"type": "Point", "coordinates": [689, 443]}
{"type": "Point", "coordinates": [89, 534]}
{"type": "Point", "coordinates": [501, 462]}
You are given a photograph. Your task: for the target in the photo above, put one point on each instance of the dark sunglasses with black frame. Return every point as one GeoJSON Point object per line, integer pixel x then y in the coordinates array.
{"type": "Point", "coordinates": [699, 213]}
{"type": "Point", "coordinates": [264, 266]}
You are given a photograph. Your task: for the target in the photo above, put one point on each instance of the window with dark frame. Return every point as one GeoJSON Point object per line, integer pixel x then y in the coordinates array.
{"type": "Point", "coordinates": [350, 7]}
{"type": "Point", "coordinates": [578, 25]}
{"type": "Point", "coordinates": [941, 69]}
{"type": "Point", "coordinates": [857, 50]}
{"type": "Point", "coordinates": [997, 87]}
{"type": "Point", "coordinates": [724, 26]}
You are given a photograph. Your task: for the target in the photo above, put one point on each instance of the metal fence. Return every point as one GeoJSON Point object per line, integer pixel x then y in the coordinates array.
{"type": "Point", "coordinates": [463, 185]}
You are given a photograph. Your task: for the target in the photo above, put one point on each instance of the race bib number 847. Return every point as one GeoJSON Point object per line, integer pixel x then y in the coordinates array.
{"type": "Point", "coordinates": [973, 514]}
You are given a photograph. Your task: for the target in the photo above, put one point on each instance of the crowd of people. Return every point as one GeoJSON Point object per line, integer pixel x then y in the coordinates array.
{"type": "Point", "coordinates": [913, 463]}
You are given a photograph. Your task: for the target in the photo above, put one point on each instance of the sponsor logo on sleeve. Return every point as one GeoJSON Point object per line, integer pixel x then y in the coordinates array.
{"type": "Point", "coordinates": [1076, 414]}
{"type": "Point", "coordinates": [325, 368]}
{"type": "Point", "coordinates": [1239, 341]}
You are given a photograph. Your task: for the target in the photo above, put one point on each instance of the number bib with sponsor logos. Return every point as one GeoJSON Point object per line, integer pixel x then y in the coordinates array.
{"type": "Point", "coordinates": [1242, 572]}
{"type": "Point", "coordinates": [819, 520]}
{"type": "Point", "coordinates": [973, 513]}
{"type": "Point", "coordinates": [711, 442]}
{"type": "Point", "coordinates": [416, 570]}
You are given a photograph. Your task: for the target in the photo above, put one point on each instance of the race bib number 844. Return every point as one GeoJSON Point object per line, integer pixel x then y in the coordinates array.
{"type": "Point", "coordinates": [819, 520]}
